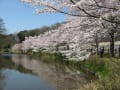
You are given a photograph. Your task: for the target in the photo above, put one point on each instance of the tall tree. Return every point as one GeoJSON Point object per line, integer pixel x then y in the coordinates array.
{"type": "Point", "coordinates": [2, 28]}
{"type": "Point", "coordinates": [104, 11]}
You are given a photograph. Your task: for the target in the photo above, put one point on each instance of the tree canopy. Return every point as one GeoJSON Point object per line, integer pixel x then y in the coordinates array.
{"type": "Point", "coordinates": [96, 17]}
{"type": "Point", "coordinates": [2, 27]}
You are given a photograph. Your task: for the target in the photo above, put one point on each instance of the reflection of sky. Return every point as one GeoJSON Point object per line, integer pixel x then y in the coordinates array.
{"type": "Point", "coordinates": [17, 81]}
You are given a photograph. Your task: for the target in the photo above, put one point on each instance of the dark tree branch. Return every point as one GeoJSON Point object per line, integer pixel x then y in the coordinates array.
{"type": "Point", "coordinates": [104, 6]}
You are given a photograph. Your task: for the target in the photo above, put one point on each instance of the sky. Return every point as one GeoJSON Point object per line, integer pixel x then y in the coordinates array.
{"type": "Point", "coordinates": [18, 16]}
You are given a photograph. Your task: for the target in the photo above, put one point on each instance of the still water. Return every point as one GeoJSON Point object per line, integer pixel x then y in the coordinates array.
{"type": "Point", "coordinates": [21, 72]}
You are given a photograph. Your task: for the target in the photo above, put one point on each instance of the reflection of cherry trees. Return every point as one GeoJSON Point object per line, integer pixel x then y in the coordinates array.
{"type": "Point", "coordinates": [52, 72]}
{"type": "Point", "coordinates": [17, 47]}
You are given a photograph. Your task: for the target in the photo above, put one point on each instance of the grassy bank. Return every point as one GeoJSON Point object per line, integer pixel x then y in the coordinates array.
{"type": "Point", "coordinates": [107, 71]}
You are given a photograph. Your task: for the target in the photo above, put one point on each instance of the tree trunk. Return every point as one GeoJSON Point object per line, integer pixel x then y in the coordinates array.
{"type": "Point", "coordinates": [97, 44]}
{"type": "Point", "coordinates": [112, 43]}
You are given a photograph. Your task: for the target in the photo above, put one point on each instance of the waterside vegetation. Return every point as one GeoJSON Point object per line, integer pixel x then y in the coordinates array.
{"type": "Point", "coordinates": [102, 72]}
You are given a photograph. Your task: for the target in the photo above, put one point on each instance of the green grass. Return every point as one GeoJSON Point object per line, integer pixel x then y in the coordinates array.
{"type": "Point", "coordinates": [107, 70]}
{"type": "Point", "coordinates": [98, 66]}
{"type": "Point", "coordinates": [46, 56]}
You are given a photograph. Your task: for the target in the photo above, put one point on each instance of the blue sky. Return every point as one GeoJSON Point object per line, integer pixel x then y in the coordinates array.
{"type": "Point", "coordinates": [18, 16]}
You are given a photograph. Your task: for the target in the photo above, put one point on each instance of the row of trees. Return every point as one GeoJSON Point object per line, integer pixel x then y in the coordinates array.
{"type": "Point", "coordinates": [96, 17]}
{"type": "Point", "coordinates": [35, 32]}
{"type": "Point", "coordinates": [20, 36]}
{"type": "Point", "coordinates": [66, 41]}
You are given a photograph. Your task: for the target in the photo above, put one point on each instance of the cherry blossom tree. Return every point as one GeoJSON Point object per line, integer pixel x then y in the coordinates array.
{"type": "Point", "coordinates": [98, 14]}
{"type": "Point", "coordinates": [17, 47]}
{"type": "Point", "coordinates": [75, 39]}
{"type": "Point", "coordinates": [81, 8]}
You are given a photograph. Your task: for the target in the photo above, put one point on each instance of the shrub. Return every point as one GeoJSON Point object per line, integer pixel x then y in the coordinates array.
{"type": "Point", "coordinates": [97, 66]}
{"type": "Point", "coordinates": [107, 70]}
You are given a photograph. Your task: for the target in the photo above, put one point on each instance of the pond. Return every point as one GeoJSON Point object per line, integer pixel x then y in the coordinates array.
{"type": "Point", "coordinates": [21, 72]}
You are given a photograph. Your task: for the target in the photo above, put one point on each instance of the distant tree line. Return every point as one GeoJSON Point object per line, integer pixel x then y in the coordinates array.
{"type": "Point", "coordinates": [37, 31]}
{"type": "Point", "coordinates": [7, 41]}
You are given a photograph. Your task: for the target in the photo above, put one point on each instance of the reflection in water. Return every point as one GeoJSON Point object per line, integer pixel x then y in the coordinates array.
{"type": "Point", "coordinates": [53, 75]}
{"type": "Point", "coordinates": [2, 76]}
{"type": "Point", "coordinates": [1, 81]}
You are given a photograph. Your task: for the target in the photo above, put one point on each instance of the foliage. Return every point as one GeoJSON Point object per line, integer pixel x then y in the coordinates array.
{"type": "Point", "coordinates": [36, 32]}
{"type": "Point", "coordinates": [7, 41]}
{"type": "Point", "coordinates": [2, 27]}
{"type": "Point", "coordinates": [98, 66]}
{"type": "Point", "coordinates": [107, 70]}
{"type": "Point", "coordinates": [96, 18]}
{"type": "Point", "coordinates": [49, 56]}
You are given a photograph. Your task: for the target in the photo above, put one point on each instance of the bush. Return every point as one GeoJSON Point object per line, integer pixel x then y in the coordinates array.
{"type": "Point", "coordinates": [97, 66]}
{"type": "Point", "coordinates": [107, 70]}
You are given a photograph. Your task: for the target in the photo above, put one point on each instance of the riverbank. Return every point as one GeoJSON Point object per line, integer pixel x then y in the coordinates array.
{"type": "Point", "coordinates": [103, 72]}
{"type": "Point", "coordinates": [107, 71]}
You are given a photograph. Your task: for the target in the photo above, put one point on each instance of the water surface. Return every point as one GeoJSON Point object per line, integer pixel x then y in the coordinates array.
{"type": "Point", "coordinates": [21, 72]}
